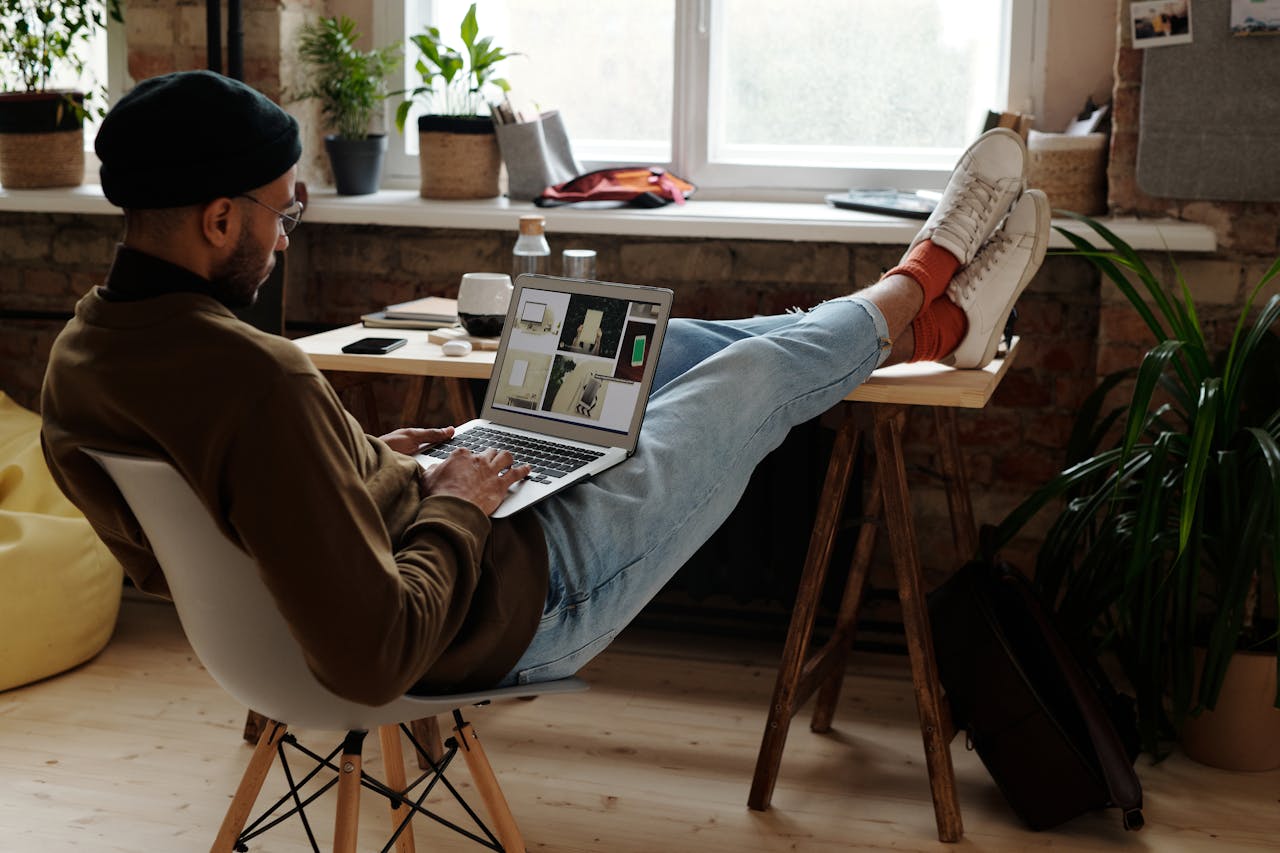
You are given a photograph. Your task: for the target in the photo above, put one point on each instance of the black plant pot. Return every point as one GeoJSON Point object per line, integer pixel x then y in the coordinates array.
{"type": "Point", "coordinates": [356, 163]}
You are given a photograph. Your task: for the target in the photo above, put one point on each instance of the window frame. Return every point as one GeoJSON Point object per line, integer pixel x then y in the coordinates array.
{"type": "Point", "coordinates": [1025, 36]}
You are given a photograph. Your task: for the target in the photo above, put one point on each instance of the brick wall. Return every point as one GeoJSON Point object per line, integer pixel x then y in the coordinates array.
{"type": "Point", "coordinates": [1075, 330]}
{"type": "Point", "coordinates": [334, 273]}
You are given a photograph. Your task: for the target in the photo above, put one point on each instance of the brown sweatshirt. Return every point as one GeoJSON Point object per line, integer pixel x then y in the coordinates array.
{"type": "Point", "coordinates": [384, 591]}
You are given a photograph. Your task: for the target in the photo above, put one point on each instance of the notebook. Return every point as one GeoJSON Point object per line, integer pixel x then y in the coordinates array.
{"type": "Point", "coordinates": [570, 383]}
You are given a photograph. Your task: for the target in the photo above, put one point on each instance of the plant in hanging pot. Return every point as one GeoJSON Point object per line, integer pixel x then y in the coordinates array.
{"type": "Point", "coordinates": [45, 44]}
{"type": "Point", "coordinates": [457, 148]}
{"type": "Point", "coordinates": [1165, 550]}
{"type": "Point", "coordinates": [351, 86]}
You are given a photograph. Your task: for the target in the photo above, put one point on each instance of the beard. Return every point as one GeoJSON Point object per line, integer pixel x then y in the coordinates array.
{"type": "Point", "coordinates": [236, 283]}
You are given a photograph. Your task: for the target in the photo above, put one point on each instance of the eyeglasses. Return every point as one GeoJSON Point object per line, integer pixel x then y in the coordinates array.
{"type": "Point", "coordinates": [290, 217]}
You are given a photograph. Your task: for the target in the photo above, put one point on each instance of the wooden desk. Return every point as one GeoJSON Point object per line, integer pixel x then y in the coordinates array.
{"type": "Point", "coordinates": [419, 359]}
{"type": "Point", "coordinates": [891, 393]}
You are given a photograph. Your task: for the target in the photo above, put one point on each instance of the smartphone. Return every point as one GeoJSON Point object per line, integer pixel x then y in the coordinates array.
{"type": "Point", "coordinates": [637, 350]}
{"type": "Point", "coordinates": [374, 346]}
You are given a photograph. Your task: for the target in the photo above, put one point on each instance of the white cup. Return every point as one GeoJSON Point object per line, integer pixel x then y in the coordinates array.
{"type": "Point", "coordinates": [483, 298]}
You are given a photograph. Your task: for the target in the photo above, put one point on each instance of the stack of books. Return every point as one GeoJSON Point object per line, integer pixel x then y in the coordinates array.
{"type": "Point", "coordinates": [430, 312]}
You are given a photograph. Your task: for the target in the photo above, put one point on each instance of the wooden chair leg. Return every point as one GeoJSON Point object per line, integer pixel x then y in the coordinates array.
{"type": "Point", "coordinates": [427, 732]}
{"type": "Point", "coordinates": [346, 824]}
{"type": "Point", "coordinates": [487, 784]}
{"type": "Point", "coordinates": [393, 764]}
{"type": "Point", "coordinates": [254, 723]}
{"type": "Point", "coordinates": [787, 691]}
{"type": "Point", "coordinates": [915, 619]}
{"type": "Point", "coordinates": [264, 755]}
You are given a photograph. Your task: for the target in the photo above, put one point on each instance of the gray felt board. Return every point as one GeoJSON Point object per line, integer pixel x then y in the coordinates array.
{"type": "Point", "coordinates": [1210, 126]}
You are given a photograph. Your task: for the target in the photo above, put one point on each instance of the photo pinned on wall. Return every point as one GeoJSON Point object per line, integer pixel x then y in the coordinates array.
{"type": "Point", "coordinates": [1255, 17]}
{"type": "Point", "coordinates": [1160, 23]}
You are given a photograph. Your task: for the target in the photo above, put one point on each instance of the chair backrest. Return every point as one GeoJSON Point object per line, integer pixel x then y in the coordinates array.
{"type": "Point", "coordinates": [231, 619]}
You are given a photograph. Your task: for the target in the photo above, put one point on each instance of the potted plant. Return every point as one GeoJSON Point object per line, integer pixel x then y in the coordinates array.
{"type": "Point", "coordinates": [1167, 538]}
{"type": "Point", "coordinates": [351, 85]}
{"type": "Point", "coordinates": [44, 44]}
{"type": "Point", "coordinates": [457, 148]}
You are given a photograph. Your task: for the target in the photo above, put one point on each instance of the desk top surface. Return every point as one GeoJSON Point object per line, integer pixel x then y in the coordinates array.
{"type": "Point", "coordinates": [923, 384]}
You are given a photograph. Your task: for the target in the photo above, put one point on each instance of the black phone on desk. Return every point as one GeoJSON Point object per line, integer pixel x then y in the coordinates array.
{"type": "Point", "coordinates": [374, 346]}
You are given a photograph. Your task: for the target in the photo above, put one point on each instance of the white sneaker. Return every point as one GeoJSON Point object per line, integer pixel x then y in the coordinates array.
{"type": "Point", "coordinates": [988, 178]}
{"type": "Point", "coordinates": [987, 288]}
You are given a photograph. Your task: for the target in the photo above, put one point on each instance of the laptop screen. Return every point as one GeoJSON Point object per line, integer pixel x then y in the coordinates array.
{"type": "Point", "coordinates": [578, 353]}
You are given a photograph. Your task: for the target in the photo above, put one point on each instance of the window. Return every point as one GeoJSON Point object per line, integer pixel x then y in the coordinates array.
{"type": "Point", "coordinates": [755, 97]}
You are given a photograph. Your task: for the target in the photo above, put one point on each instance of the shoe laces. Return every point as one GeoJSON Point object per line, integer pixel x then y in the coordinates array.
{"type": "Point", "coordinates": [974, 195]}
{"type": "Point", "coordinates": [966, 282]}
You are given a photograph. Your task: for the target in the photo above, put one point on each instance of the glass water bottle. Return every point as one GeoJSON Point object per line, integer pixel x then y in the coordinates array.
{"type": "Point", "coordinates": [531, 254]}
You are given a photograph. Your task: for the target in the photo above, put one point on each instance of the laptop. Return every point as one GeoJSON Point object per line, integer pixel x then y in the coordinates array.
{"type": "Point", "coordinates": [570, 382]}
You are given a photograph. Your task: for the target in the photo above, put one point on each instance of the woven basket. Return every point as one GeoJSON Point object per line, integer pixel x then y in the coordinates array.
{"type": "Point", "coordinates": [1071, 170]}
{"type": "Point", "coordinates": [31, 160]}
{"type": "Point", "coordinates": [459, 165]}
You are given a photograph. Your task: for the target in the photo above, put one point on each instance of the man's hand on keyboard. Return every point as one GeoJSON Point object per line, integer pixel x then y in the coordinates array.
{"type": "Point", "coordinates": [481, 478]}
{"type": "Point", "coordinates": [410, 440]}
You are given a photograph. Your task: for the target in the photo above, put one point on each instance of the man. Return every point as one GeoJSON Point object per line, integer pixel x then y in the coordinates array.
{"type": "Point", "coordinates": [393, 580]}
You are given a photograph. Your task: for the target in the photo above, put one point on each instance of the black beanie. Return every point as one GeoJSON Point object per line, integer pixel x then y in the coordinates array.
{"type": "Point", "coordinates": [191, 137]}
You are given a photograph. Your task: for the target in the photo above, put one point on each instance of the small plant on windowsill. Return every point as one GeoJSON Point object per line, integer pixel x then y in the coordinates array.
{"type": "Point", "coordinates": [457, 147]}
{"type": "Point", "coordinates": [45, 43]}
{"type": "Point", "coordinates": [351, 86]}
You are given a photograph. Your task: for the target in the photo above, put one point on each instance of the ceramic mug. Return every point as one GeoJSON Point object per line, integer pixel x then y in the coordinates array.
{"type": "Point", "coordinates": [483, 298]}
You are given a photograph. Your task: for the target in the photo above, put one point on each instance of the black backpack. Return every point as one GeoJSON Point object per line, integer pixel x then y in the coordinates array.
{"type": "Point", "coordinates": [1046, 727]}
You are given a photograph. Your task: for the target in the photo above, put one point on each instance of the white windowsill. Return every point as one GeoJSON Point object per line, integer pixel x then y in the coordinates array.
{"type": "Point", "coordinates": [738, 220]}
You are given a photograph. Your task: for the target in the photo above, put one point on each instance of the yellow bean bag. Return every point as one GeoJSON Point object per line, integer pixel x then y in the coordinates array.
{"type": "Point", "coordinates": [59, 585]}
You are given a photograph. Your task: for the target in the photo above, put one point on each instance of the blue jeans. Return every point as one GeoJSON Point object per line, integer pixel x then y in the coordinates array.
{"type": "Point", "coordinates": [726, 394]}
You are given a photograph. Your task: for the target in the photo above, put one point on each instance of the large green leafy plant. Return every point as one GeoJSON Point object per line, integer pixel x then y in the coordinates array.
{"type": "Point", "coordinates": [1167, 534]}
{"type": "Point", "coordinates": [453, 82]}
{"type": "Point", "coordinates": [350, 84]}
{"type": "Point", "coordinates": [43, 42]}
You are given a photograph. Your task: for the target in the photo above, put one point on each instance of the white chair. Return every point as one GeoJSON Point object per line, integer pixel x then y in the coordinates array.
{"type": "Point", "coordinates": [239, 635]}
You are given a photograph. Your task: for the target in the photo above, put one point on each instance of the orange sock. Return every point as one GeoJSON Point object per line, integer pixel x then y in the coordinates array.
{"type": "Point", "coordinates": [938, 330]}
{"type": "Point", "coordinates": [930, 265]}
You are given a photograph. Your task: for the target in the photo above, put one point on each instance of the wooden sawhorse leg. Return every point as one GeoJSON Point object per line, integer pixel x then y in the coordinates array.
{"type": "Point", "coordinates": [799, 674]}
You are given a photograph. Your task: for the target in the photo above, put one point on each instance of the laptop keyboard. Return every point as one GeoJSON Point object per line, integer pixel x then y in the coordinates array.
{"type": "Point", "coordinates": [550, 460]}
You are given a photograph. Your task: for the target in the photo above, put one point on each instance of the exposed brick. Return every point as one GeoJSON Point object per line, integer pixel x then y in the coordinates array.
{"type": "Point", "coordinates": [662, 263]}
{"type": "Point", "coordinates": [150, 27]}
{"type": "Point", "coordinates": [1027, 466]}
{"type": "Point", "coordinates": [1022, 389]}
{"type": "Point", "coordinates": [145, 64]}
{"type": "Point", "coordinates": [1040, 317]}
{"type": "Point", "coordinates": [439, 258]}
{"type": "Point", "coordinates": [18, 244]}
{"type": "Point", "coordinates": [1121, 324]}
{"type": "Point", "coordinates": [43, 290]}
{"type": "Point", "coordinates": [1253, 277]}
{"type": "Point", "coordinates": [1114, 357]}
{"type": "Point", "coordinates": [1060, 357]}
{"type": "Point", "coordinates": [1071, 392]}
{"type": "Point", "coordinates": [794, 263]}
{"type": "Point", "coordinates": [988, 428]}
{"type": "Point", "coordinates": [1210, 281]}
{"type": "Point", "coordinates": [1051, 430]}
{"type": "Point", "coordinates": [871, 262]}
{"type": "Point", "coordinates": [714, 302]}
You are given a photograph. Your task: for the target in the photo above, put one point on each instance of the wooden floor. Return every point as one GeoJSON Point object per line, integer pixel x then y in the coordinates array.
{"type": "Point", "coordinates": [139, 751]}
